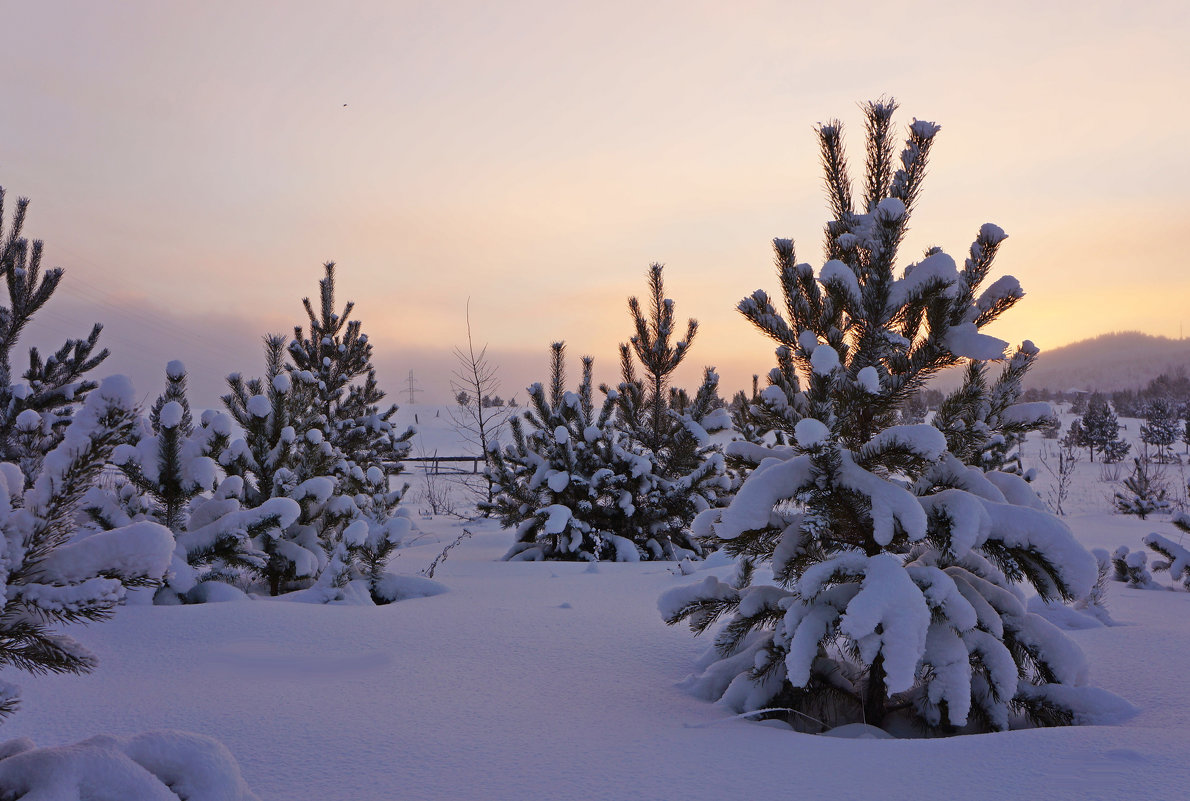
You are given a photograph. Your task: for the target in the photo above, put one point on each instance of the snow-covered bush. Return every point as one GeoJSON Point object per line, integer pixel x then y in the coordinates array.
{"type": "Point", "coordinates": [1130, 567]}
{"type": "Point", "coordinates": [1175, 556]}
{"type": "Point", "coordinates": [1094, 603]}
{"type": "Point", "coordinates": [897, 568]}
{"type": "Point", "coordinates": [570, 482]}
{"type": "Point", "coordinates": [154, 766]}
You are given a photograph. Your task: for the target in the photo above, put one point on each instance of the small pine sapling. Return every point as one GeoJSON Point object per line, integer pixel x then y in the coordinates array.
{"type": "Point", "coordinates": [168, 472]}
{"type": "Point", "coordinates": [1145, 490]}
{"type": "Point", "coordinates": [1160, 428]}
{"type": "Point", "coordinates": [161, 462]}
{"type": "Point", "coordinates": [273, 461]}
{"type": "Point", "coordinates": [570, 481]}
{"type": "Point", "coordinates": [1130, 567]}
{"type": "Point", "coordinates": [1101, 430]}
{"type": "Point", "coordinates": [665, 424]}
{"type": "Point", "coordinates": [1076, 437]}
{"type": "Point", "coordinates": [333, 361]}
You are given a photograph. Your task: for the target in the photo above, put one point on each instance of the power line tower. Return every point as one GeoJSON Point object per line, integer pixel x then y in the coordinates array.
{"type": "Point", "coordinates": [412, 388]}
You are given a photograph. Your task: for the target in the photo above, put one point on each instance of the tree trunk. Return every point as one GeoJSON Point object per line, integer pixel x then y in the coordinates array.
{"type": "Point", "coordinates": [874, 693]}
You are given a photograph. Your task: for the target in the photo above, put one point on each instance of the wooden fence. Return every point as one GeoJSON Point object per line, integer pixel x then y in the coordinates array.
{"type": "Point", "coordinates": [434, 464]}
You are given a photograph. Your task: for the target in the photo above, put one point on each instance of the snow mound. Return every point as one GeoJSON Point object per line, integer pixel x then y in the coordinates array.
{"type": "Point", "coordinates": [210, 592]}
{"type": "Point", "coordinates": [154, 766]}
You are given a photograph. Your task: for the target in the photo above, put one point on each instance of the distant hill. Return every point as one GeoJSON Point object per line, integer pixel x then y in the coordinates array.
{"type": "Point", "coordinates": [1124, 360]}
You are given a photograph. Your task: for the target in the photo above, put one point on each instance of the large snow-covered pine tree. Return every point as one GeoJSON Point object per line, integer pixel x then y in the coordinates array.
{"type": "Point", "coordinates": [897, 569]}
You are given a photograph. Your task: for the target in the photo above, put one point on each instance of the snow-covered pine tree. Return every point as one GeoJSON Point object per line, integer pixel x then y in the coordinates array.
{"type": "Point", "coordinates": [168, 469]}
{"type": "Point", "coordinates": [158, 461]}
{"type": "Point", "coordinates": [570, 480]}
{"type": "Point", "coordinates": [1160, 428]}
{"type": "Point", "coordinates": [896, 566]}
{"type": "Point", "coordinates": [35, 412]}
{"type": "Point", "coordinates": [274, 460]}
{"type": "Point", "coordinates": [1101, 430]}
{"type": "Point", "coordinates": [1144, 489]}
{"type": "Point", "coordinates": [665, 423]}
{"type": "Point", "coordinates": [50, 573]}
{"type": "Point", "coordinates": [1076, 437]}
{"type": "Point", "coordinates": [334, 359]}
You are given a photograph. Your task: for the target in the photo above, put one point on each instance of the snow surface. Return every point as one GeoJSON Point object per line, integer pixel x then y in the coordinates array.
{"type": "Point", "coordinates": [154, 766]}
{"type": "Point", "coordinates": [546, 680]}
{"type": "Point", "coordinates": [440, 698]}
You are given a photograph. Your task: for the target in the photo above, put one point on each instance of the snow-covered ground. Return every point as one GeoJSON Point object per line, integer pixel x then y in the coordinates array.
{"type": "Point", "coordinates": [555, 680]}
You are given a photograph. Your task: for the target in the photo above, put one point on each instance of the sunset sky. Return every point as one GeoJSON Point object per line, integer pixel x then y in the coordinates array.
{"type": "Point", "coordinates": [192, 165]}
